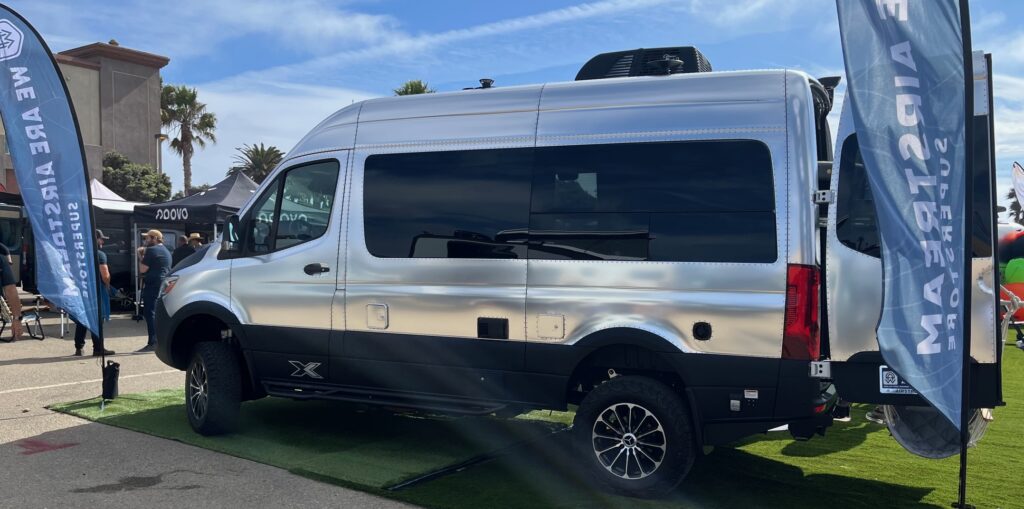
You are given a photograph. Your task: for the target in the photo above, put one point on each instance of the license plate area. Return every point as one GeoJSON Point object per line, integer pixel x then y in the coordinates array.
{"type": "Point", "coordinates": [890, 383]}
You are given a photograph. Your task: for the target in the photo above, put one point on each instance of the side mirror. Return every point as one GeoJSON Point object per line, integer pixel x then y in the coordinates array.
{"type": "Point", "coordinates": [230, 245]}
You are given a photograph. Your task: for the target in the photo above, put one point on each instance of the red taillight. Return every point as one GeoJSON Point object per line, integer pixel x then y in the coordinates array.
{"type": "Point", "coordinates": [800, 332]}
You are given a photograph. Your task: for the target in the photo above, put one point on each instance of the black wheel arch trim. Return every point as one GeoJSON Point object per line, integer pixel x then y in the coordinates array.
{"type": "Point", "coordinates": [167, 326]}
{"type": "Point", "coordinates": [628, 336]}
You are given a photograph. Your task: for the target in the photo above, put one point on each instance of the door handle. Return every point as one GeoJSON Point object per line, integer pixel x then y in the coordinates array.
{"type": "Point", "coordinates": [316, 268]}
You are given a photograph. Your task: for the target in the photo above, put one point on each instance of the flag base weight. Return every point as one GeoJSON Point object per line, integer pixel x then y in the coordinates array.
{"type": "Point", "coordinates": [110, 374]}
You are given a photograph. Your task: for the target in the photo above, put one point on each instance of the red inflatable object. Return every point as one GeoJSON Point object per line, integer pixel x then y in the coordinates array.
{"type": "Point", "coordinates": [1018, 290]}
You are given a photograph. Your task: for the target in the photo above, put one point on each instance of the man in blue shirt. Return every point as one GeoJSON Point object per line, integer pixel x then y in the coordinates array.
{"type": "Point", "coordinates": [154, 265]}
{"type": "Point", "coordinates": [80, 330]}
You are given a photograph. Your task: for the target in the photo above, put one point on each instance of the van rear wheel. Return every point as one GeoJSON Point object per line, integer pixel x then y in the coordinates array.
{"type": "Point", "coordinates": [212, 389]}
{"type": "Point", "coordinates": [634, 436]}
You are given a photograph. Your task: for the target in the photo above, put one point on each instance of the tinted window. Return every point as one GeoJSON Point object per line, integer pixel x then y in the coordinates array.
{"type": "Point", "coordinates": [983, 210]}
{"type": "Point", "coordinates": [855, 208]}
{"type": "Point", "coordinates": [262, 219]}
{"type": "Point", "coordinates": [306, 202]}
{"type": "Point", "coordinates": [708, 201]}
{"type": "Point", "coordinates": [459, 204]}
{"type": "Point", "coordinates": [294, 209]}
{"type": "Point", "coordinates": [694, 176]}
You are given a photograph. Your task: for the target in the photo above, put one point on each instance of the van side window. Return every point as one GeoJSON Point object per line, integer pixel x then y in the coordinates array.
{"type": "Point", "coordinates": [855, 206]}
{"type": "Point", "coordinates": [694, 201]}
{"type": "Point", "coordinates": [306, 201]}
{"type": "Point", "coordinates": [294, 209]}
{"type": "Point", "coordinates": [457, 204]}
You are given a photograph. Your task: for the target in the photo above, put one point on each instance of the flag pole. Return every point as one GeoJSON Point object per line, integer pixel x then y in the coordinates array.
{"type": "Point", "coordinates": [966, 279]}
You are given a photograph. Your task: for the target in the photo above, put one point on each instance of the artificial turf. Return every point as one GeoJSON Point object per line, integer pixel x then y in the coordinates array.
{"type": "Point", "coordinates": [344, 444]}
{"type": "Point", "coordinates": [856, 465]}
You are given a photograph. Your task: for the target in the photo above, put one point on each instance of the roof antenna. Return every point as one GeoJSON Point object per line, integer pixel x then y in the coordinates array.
{"type": "Point", "coordinates": [484, 83]}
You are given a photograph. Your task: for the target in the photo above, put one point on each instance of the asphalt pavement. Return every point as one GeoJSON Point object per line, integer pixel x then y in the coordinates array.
{"type": "Point", "coordinates": [49, 459]}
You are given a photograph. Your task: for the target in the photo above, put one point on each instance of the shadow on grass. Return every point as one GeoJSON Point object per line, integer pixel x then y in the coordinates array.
{"type": "Point", "coordinates": [548, 475]}
{"type": "Point", "coordinates": [841, 436]}
{"type": "Point", "coordinates": [851, 435]}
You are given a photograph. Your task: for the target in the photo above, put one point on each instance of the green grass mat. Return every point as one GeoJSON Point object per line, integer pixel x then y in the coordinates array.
{"type": "Point", "coordinates": [335, 442]}
{"type": "Point", "coordinates": [856, 465]}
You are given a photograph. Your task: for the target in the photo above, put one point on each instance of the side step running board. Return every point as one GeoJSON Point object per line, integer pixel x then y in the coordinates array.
{"type": "Point", "coordinates": [382, 398]}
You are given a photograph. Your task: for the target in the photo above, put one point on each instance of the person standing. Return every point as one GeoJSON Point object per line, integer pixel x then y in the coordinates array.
{"type": "Point", "coordinates": [182, 251]}
{"type": "Point", "coordinates": [195, 241]}
{"type": "Point", "coordinates": [6, 254]}
{"type": "Point", "coordinates": [104, 286]}
{"type": "Point", "coordinates": [11, 295]}
{"type": "Point", "coordinates": [154, 264]}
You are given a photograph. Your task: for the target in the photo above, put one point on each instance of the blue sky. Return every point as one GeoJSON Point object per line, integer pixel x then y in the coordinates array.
{"type": "Point", "coordinates": [272, 69]}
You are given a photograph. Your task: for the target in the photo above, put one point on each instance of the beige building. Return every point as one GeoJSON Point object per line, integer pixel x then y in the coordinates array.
{"type": "Point", "coordinates": [116, 94]}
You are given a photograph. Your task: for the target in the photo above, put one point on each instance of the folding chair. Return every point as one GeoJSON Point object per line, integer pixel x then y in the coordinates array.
{"type": "Point", "coordinates": [29, 318]}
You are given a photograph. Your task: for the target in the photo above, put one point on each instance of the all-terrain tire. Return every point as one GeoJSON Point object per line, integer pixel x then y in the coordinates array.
{"type": "Point", "coordinates": [658, 451]}
{"type": "Point", "coordinates": [213, 391]}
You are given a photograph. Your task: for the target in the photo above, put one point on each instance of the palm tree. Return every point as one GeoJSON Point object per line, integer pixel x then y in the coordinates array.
{"type": "Point", "coordinates": [1016, 212]}
{"type": "Point", "coordinates": [181, 111]}
{"type": "Point", "coordinates": [256, 161]}
{"type": "Point", "coordinates": [413, 87]}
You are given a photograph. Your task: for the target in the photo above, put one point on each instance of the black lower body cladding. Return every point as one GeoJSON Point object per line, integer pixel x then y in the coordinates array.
{"type": "Point", "coordinates": [729, 396]}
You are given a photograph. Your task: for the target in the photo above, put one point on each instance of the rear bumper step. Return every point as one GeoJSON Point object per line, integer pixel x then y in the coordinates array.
{"type": "Point", "coordinates": [857, 380]}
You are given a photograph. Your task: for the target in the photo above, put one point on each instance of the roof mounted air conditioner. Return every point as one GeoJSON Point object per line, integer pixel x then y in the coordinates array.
{"type": "Point", "coordinates": [645, 62]}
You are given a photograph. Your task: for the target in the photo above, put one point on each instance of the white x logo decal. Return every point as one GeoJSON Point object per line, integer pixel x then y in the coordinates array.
{"type": "Point", "coordinates": [306, 369]}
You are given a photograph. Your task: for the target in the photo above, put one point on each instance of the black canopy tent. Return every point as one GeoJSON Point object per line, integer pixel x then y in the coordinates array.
{"type": "Point", "coordinates": [206, 208]}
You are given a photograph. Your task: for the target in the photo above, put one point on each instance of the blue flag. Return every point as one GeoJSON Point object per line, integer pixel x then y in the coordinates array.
{"type": "Point", "coordinates": [906, 79]}
{"type": "Point", "coordinates": [49, 160]}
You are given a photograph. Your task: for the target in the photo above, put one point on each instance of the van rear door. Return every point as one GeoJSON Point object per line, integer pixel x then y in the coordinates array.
{"type": "Point", "coordinates": [854, 272]}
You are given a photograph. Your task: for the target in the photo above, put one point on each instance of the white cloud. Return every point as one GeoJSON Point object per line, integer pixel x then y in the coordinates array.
{"type": "Point", "coordinates": [411, 47]}
{"type": "Point", "coordinates": [273, 113]}
{"type": "Point", "coordinates": [1008, 87]}
{"type": "Point", "coordinates": [191, 28]}
{"type": "Point", "coordinates": [744, 13]}
{"type": "Point", "coordinates": [987, 21]}
{"type": "Point", "coordinates": [1009, 115]}
{"type": "Point", "coordinates": [1009, 131]}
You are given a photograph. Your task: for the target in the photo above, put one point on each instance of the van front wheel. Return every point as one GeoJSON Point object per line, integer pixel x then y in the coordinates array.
{"type": "Point", "coordinates": [635, 437]}
{"type": "Point", "coordinates": [212, 389]}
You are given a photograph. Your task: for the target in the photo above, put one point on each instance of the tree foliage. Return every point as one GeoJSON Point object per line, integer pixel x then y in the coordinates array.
{"type": "Point", "coordinates": [196, 189]}
{"type": "Point", "coordinates": [256, 161]}
{"type": "Point", "coordinates": [1016, 212]}
{"type": "Point", "coordinates": [413, 87]}
{"type": "Point", "coordinates": [183, 114]}
{"type": "Point", "coordinates": [134, 182]}
{"type": "Point", "coordinates": [115, 160]}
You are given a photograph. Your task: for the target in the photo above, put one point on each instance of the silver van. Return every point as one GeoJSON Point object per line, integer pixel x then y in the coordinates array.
{"type": "Point", "coordinates": [644, 247]}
